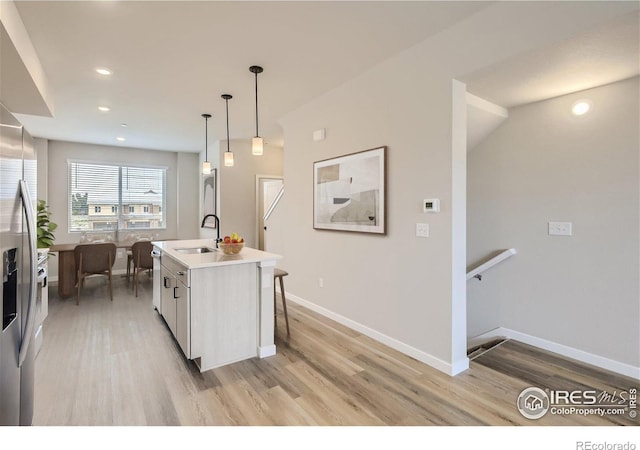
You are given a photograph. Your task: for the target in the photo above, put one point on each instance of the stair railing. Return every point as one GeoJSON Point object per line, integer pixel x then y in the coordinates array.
{"type": "Point", "coordinates": [477, 271]}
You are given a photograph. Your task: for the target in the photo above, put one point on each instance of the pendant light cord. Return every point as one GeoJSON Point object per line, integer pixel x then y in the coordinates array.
{"type": "Point", "coordinates": [206, 136]}
{"type": "Point", "coordinates": [226, 100]}
{"type": "Point", "coordinates": [256, 70]}
{"type": "Point", "coordinates": [256, 74]}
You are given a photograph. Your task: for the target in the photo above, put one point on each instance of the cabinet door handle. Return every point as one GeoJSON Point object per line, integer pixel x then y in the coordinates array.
{"type": "Point", "coordinates": [181, 273]}
{"type": "Point", "coordinates": [167, 285]}
{"type": "Point", "coordinates": [174, 292]}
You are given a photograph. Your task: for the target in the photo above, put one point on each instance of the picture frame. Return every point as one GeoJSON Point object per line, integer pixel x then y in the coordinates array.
{"type": "Point", "coordinates": [209, 192]}
{"type": "Point", "coordinates": [349, 192]}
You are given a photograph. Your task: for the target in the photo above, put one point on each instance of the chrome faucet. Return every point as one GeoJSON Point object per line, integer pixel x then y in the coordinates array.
{"type": "Point", "coordinates": [217, 226]}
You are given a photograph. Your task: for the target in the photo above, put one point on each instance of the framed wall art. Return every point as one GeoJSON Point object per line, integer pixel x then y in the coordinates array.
{"type": "Point", "coordinates": [349, 192]}
{"type": "Point", "coordinates": [209, 197]}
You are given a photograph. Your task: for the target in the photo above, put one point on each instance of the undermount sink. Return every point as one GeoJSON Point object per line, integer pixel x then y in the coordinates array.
{"type": "Point", "coordinates": [195, 250]}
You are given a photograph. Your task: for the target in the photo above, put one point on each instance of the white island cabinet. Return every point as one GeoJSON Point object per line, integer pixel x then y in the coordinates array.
{"type": "Point", "coordinates": [218, 307]}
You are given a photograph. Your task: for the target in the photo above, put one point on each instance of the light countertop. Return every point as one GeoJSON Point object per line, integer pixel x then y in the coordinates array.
{"type": "Point", "coordinates": [213, 258]}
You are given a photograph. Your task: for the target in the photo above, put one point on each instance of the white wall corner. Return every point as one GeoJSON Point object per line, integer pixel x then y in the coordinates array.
{"type": "Point", "coordinates": [483, 117]}
{"type": "Point", "coordinates": [459, 366]}
{"type": "Point", "coordinates": [459, 226]}
{"type": "Point", "coordinates": [485, 105]}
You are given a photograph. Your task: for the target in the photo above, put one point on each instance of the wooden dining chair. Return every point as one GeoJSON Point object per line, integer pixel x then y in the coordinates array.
{"type": "Point", "coordinates": [142, 259]}
{"type": "Point", "coordinates": [129, 263]}
{"type": "Point", "coordinates": [94, 259]}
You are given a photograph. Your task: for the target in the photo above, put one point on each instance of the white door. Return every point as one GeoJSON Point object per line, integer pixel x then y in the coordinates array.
{"type": "Point", "coordinates": [268, 191]}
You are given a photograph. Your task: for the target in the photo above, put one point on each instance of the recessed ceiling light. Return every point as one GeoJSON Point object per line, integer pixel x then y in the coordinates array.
{"type": "Point", "coordinates": [581, 107]}
{"type": "Point", "coordinates": [121, 139]}
{"type": "Point", "coordinates": [103, 71]}
{"type": "Point", "coordinates": [104, 108]}
{"type": "Point", "coordinates": [124, 125]}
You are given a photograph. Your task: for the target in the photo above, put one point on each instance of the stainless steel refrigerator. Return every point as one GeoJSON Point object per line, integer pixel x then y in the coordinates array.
{"type": "Point", "coordinates": [18, 250]}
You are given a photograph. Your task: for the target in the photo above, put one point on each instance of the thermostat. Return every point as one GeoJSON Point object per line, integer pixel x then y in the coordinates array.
{"type": "Point", "coordinates": [431, 205]}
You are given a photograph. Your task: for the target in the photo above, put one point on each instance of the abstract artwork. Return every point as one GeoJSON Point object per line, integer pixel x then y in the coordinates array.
{"type": "Point", "coordinates": [350, 192]}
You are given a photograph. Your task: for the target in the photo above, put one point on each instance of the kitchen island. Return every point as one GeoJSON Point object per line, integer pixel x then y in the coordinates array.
{"type": "Point", "coordinates": [219, 307]}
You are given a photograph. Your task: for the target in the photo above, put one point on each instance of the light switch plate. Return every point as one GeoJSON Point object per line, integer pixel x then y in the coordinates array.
{"type": "Point", "coordinates": [422, 229]}
{"type": "Point", "coordinates": [319, 135]}
{"type": "Point", "coordinates": [560, 228]}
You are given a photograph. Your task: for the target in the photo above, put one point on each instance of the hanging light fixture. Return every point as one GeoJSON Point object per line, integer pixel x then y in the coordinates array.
{"type": "Point", "coordinates": [257, 143]}
{"type": "Point", "coordinates": [228, 155]}
{"type": "Point", "coordinates": [206, 165]}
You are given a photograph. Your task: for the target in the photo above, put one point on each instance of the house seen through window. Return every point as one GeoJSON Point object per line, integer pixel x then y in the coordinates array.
{"type": "Point", "coordinates": [104, 197]}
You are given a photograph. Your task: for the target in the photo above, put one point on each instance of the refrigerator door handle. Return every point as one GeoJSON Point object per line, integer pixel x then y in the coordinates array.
{"type": "Point", "coordinates": [33, 258]}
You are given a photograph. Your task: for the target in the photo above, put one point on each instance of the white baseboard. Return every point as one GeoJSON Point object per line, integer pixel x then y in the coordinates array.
{"type": "Point", "coordinates": [437, 363]}
{"type": "Point", "coordinates": [485, 337]}
{"type": "Point", "coordinates": [564, 350]}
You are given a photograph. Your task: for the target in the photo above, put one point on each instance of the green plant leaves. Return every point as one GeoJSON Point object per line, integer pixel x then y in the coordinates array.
{"type": "Point", "coordinates": [45, 226]}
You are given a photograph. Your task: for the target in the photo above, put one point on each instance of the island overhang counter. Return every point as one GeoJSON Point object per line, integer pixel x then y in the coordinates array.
{"type": "Point", "coordinates": [219, 307]}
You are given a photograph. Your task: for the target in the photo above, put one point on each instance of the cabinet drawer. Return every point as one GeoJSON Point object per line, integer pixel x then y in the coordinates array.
{"type": "Point", "coordinates": [177, 269]}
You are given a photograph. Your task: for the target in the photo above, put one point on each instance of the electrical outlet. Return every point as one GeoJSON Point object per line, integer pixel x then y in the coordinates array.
{"type": "Point", "coordinates": [320, 282]}
{"type": "Point", "coordinates": [560, 229]}
{"type": "Point", "coordinates": [120, 254]}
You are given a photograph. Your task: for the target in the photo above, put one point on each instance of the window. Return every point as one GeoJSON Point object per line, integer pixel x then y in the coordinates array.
{"type": "Point", "coordinates": [139, 225]}
{"type": "Point", "coordinates": [102, 226]}
{"type": "Point", "coordinates": [119, 188]}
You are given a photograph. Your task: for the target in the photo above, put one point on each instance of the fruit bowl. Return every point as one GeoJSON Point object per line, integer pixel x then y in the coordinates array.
{"type": "Point", "coordinates": [231, 249]}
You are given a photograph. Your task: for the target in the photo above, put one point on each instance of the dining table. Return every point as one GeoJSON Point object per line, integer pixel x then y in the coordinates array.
{"type": "Point", "coordinates": [67, 266]}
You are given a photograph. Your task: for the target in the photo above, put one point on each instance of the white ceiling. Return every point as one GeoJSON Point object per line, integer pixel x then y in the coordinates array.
{"type": "Point", "coordinates": [173, 60]}
{"type": "Point", "coordinates": [602, 55]}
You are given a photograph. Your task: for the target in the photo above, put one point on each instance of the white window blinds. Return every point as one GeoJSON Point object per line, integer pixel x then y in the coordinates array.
{"type": "Point", "coordinates": [105, 197]}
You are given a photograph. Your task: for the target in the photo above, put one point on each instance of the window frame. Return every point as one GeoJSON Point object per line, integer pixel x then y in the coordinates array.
{"type": "Point", "coordinates": [120, 208]}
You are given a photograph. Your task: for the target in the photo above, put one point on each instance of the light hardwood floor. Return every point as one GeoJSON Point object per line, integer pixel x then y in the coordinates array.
{"type": "Point", "coordinates": [116, 363]}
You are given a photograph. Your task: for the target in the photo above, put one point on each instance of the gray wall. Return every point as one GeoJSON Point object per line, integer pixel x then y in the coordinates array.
{"type": "Point", "coordinates": [180, 170]}
{"type": "Point", "coordinates": [237, 187]}
{"type": "Point", "coordinates": [187, 196]}
{"type": "Point", "coordinates": [397, 287]}
{"type": "Point", "coordinates": [543, 165]}
{"type": "Point", "coordinates": [41, 147]}
{"type": "Point", "coordinates": [405, 291]}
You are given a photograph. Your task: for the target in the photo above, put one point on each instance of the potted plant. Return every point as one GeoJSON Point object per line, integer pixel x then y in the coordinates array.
{"type": "Point", "coordinates": [45, 226]}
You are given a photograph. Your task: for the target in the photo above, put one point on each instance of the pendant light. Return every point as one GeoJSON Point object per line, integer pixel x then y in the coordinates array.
{"type": "Point", "coordinates": [257, 143]}
{"type": "Point", "coordinates": [206, 165]}
{"type": "Point", "coordinates": [228, 155]}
